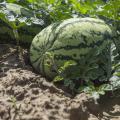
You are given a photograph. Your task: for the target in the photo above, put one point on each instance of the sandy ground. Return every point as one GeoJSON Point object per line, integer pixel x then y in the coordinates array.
{"type": "Point", "coordinates": [25, 95]}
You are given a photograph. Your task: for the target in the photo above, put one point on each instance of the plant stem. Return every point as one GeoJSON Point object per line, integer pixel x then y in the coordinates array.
{"type": "Point", "coordinates": [15, 31]}
{"type": "Point", "coordinates": [19, 50]}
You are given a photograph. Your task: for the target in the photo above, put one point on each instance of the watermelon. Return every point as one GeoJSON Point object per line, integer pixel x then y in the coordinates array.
{"type": "Point", "coordinates": [84, 40]}
{"type": "Point", "coordinates": [26, 33]}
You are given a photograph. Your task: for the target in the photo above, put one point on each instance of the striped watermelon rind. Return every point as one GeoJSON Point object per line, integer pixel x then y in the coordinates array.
{"type": "Point", "coordinates": [72, 39]}
{"type": "Point", "coordinates": [26, 33]}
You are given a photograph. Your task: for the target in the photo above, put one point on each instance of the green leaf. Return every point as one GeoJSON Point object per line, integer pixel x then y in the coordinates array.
{"type": "Point", "coordinates": [95, 95]}
{"type": "Point", "coordinates": [32, 1]}
{"type": "Point", "coordinates": [58, 78]}
{"type": "Point", "coordinates": [66, 65]}
{"type": "Point", "coordinates": [11, 1]}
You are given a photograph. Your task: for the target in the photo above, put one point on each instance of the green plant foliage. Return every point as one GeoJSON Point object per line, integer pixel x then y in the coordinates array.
{"type": "Point", "coordinates": [70, 74]}
{"type": "Point", "coordinates": [15, 17]}
{"type": "Point", "coordinates": [110, 10]}
{"type": "Point", "coordinates": [20, 13]}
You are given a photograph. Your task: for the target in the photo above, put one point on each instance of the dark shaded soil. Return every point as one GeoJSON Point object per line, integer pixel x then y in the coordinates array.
{"type": "Point", "coordinates": [25, 95]}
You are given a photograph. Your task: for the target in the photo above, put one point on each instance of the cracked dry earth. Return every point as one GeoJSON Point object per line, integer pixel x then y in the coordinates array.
{"type": "Point", "coordinates": [25, 95]}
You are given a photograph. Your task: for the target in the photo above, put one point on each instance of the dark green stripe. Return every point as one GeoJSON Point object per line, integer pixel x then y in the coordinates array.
{"type": "Point", "coordinates": [35, 48]}
{"type": "Point", "coordinates": [40, 66]}
{"type": "Point", "coordinates": [81, 45]}
{"type": "Point", "coordinates": [65, 57]}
